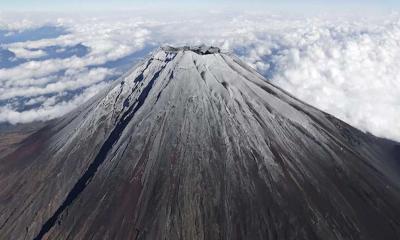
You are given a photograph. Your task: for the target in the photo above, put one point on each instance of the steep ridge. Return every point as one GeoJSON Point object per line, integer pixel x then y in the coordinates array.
{"type": "Point", "coordinates": [194, 144]}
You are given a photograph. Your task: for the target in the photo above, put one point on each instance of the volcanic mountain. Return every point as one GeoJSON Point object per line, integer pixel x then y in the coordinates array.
{"type": "Point", "coordinates": [194, 144]}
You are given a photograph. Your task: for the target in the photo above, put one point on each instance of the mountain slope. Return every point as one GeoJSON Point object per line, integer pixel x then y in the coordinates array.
{"type": "Point", "coordinates": [193, 144]}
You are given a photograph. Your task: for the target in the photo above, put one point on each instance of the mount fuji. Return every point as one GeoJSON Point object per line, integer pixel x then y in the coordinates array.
{"type": "Point", "coordinates": [192, 143]}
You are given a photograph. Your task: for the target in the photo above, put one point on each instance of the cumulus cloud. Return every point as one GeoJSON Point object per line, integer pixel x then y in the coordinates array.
{"type": "Point", "coordinates": [349, 71]}
{"type": "Point", "coordinates": [49, 110]}
{"type": "Point", "coordinates": [69, 81]}
{"type": "Point", "coordinates": [346, 66]}
{"type": "Point", "coordinates": [40, 88]}
{"type": "Point", "coordinates": [27, 53]}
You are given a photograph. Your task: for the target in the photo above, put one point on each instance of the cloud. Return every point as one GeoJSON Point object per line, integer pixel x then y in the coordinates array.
{"type": "Point", "coordinates": [72, 80]}
{"type": "Point", "coordinates": [40, 89]}
{"type": "Point", "coordinates": [48, 110]}
{"type": "Point", "coordinates": [27, 53]}
{"type": "Point", "coordinates": [346, 65]}
{"type": "Point", "coordinates": [349, 71]}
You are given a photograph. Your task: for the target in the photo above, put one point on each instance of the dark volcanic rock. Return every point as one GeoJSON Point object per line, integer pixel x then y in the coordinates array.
{"type": "Point", "coordinates": [193, 144]}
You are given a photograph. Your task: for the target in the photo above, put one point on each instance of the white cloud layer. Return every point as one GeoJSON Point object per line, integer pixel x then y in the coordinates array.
{"type": "Point", "coordinates": [21, 52]}
{"type": "Point", "coordinates": [347, 66]}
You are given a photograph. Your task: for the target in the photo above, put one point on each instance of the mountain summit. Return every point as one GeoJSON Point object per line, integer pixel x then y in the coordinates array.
{"type": "Point", "coordinates": [194, 144]}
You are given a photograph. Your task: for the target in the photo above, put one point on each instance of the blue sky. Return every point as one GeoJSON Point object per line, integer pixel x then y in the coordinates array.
{"type": "Point", "coordinates": [60, 5]}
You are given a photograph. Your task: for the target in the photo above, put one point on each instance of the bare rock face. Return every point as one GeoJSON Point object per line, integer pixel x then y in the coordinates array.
{"type": "Point", "coordinates": [193, 144]}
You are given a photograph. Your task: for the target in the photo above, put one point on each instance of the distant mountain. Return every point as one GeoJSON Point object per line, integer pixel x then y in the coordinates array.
{"type": "Point", "coordinates": [194, 144]}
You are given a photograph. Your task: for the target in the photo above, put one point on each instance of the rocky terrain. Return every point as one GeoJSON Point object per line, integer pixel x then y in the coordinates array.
{"type": "Point", "coordinates": [193, 144]}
